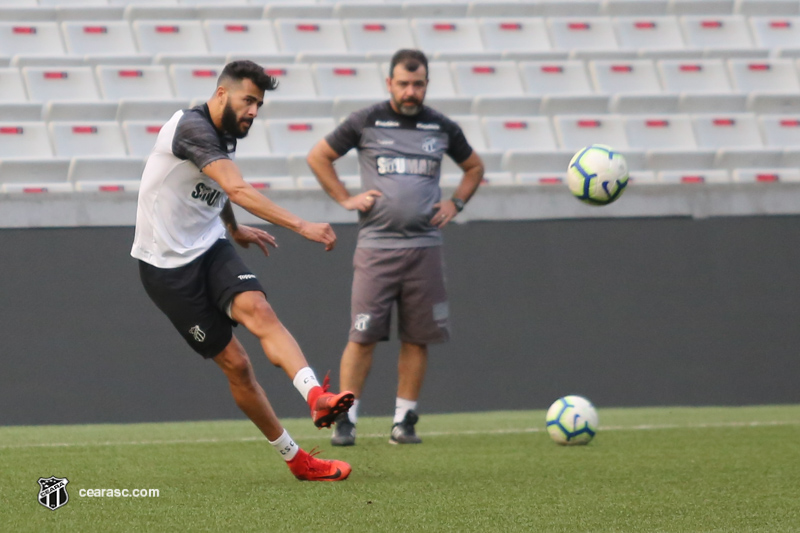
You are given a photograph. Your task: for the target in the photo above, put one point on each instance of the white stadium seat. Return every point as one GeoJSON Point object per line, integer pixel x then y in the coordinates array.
{"type": "Point", "coordinates": [716, 31]}
{"type": "Point", "coordinates": [378, 35]}
{"type": "Point", "coordinates": [141, 135]}
{"type": "Point", "coordinates": [471, 126]}
{"type": "Point", "coordinates": [106, 37]}
{"type": "Point", "coordinates": [294, 81]}
{"type": "Point", "coordinates": [447, 35]}
{"type": "Point", "coordinates": [577, 131]}
{"type": "Point", "coordinates": [11, 87]}
{"type": "Point", "coordinates": [766, 175]}
{"type": "Point", "coordinates": [139, 82]}
{"type": "Point", "coordinates": [310, 35]}
{"type": "Point", "coordinates": [776, 31]}
{"type": "Point", "coordinates": [781, 130]}
{"type": "Point", "coordinates": [519, 132]}
{"type": "Point", "coordinates": [586, 33]}
{"type": "Point", "coordinates": [613, 77]}
{"type": "Point", "coordinates": [106, 174]}
{"type": "Point", "coordinates": [660, 132]}
{"type": "Point", "coordinates": [24, 140]}
{"type": "Point", "coordinates": [241, 36]}
{"type": "Point", "coordinates": [90, 138]}
{"type": "Point", "coordinates": [694, 177]}
{"type": "Point", "coordinates": [764, 75]}
{"type": "Point", "coordinates": [649, 33]}
{"type": "Point", "coordinates": [695, 76]}
{"type": "Point", "coordinates": [34, 176]}
{"type": "Point", "coordinates": [62, 83]}
{"type": "Point", "coordinates": [555, 77]}
{"type": "Point", "coordinates": [362, 80]}
{"type": "Point", "coordinates": [508, 33]}
{"type": "Point", "coordinates": [170, 36]}
{"type": "Point", "coordinates": [194, 81]}
{"type": "Point", "coordinates": [30, 38]}
{"type": "Point", "coordinates": [290, 136]}
{"type": "Point", "coordinates": [256, 143]}
{"type": "Point", "coordinates": [491, 77]}
{"type": "Point", "coordinates": [727, 130]}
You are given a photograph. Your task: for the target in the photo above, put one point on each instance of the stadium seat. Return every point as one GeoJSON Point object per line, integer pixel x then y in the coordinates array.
{"type": "Point", "coordinates": [611, 77]}
{"type": "Point", "coordinates": [360, 80]}
{"type": "Point", "coordinates": [776, 31]}
{"type": "Point", "coordinates": [471, 126]}
{"type": "Point", "coordinates": [241, 36]}
{"type": "Point", "coordinates": [771, 75]}
{"type": "Point", "coordinates": [346, 169]}
{"type": "Point", "coordinates": [256, 143]}
{"type": "Point", "coordinates": [498, 77]}
{"type": "Point", "coordinates": [79, 110]}
{"type": "Point", "coordinates": [696, 76]}
{"type": "Point", "coordinates": [298, 9]}
{"type": "Point", "coordinates": [555, 77]}
{"type": "Point", "coordinates": [589, 33]}
{"type": "Point", "coordinates": [636, 104]}
{"type": "Point", "coordinates": [140, 136]}
{"type": "Point", "coordinates": [106, 174]}
{"type": "Point", "coordinates": [743, 157]}
{"type": "Point", "coordinates": [266, 172]}
{"type": "Point", "coordinates": [21, 111]}
{"type": "Point", "coordinates": [24, 140]}
{"type": "Point", "coordinates": [522, 34]}
{"type": "Point", "coordinates": [378, 35]}
{"type": "Point", "coordinates": [65, 83]}
{"type": "Point", "coordinates": [502, 105]}
{"type": "Point", "coordinates": [649, 33]}
{"type": "Point", "coordinates": [105, 37]}
{"type": "Point", "coordinates": [532, 167]}
{"type": "Point", "coordinates": [310, 35]}
{"type": "Point", "coordinates": [34, 176]}
{"type": "Point", "coordinates": [87, 138]}
{"type": "Point", "coordinates": [150, 109]}
{"type": "Point", "coordinates": [766, 175]}
{"type": "Point", "coordinates": [781, 130]}
{"type": "Point", "coordinates": [309, 107]}
{"type": "Point", "coordinates": [294, 81]}
{"type": "Point", "coordinates": [288, 136]}
{"type": "Point", "coordinates": [648, 132]}
{"type": "Point", "coordinates": [447, 35]}
{"type": "Point", "coordinates": [194, 81]}
{"type": "Point", "coordinates": [25, 37]}
{"type": "Point", "coordinates": [773, 102]}
{"type": "Point", "coordinates": [170, 36]}
{"type": "Point", "coordinates": [624, 8]}
{"type": "Point", "coordinates": [519, 133]}
{"type": "Point", "coordinates": [716, 31]}
{"type": "Point", "coordinates": [694, 177]}
{"type": "Point", "coordinates": [560, 104]}
{"type": "Point", "coordinates": [11, 87]}
{"type": "Point", "coordinates": [721, 131]}
{"type": "Point", "coordinates": [140, 82]}
{"type": "Point", "coordinates": [353, 9]}
{"type": "Point", "coordinates": [577, 131]}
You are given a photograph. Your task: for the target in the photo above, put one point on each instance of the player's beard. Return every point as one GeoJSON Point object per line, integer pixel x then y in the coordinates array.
{"type": "Point", "coordinates": [232, 124]}
{"type": "Point", "coordinates": [409, 107]}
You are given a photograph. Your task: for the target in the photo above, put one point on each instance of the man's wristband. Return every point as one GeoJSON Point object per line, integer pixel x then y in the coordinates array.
{"type": "Point", "coordinates": [459, 203]}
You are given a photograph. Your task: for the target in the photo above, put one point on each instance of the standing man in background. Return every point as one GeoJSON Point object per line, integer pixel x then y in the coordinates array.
{"type": "Point", "coordinates": [193, 273]}
{"type": "Point", "coordinates": [398, 258]}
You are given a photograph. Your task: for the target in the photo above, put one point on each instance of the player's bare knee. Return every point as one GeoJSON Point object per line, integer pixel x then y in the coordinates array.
{"type": "Point", "coordinates": [237, 367]}
{"type": "Point", "coordinates": [253, 310]}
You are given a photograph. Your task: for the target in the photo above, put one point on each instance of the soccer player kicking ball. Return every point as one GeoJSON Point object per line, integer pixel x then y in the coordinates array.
{"type": "Point", "coordinates": [194, 275]}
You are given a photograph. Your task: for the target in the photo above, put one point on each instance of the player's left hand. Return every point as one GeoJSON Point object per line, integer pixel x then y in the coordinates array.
{"type": "Point", "coordinates": [445, 212]}
{"type": "Point", "coordinates": [245, 235]}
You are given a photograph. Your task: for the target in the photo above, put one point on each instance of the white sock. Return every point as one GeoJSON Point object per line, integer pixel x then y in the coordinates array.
{"type": "Point", "coordinates": [402, 406]}
{"type": "Point", "coordinates": [352, 414]}
{"type": "Point", "coordinates": [304, 381]}
{"type": "Point", "coordinates": [286, 446]}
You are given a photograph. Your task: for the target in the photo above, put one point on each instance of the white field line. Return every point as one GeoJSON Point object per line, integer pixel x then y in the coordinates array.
{"type": "Point", "coordinates": [510, 431]}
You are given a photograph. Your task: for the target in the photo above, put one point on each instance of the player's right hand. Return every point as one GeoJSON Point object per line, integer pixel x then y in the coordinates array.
{"type": "Point", "coordinates": [319, 232]}
{"type": "Point", "coordinates": [363, 202]}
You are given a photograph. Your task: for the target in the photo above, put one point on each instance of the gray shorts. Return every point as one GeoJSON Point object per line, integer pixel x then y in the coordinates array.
{"type": "Point", "coordinates": [412, 277]}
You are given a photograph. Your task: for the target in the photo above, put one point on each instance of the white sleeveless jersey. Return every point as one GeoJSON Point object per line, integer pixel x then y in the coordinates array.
{"type": "Point", "coordinates": [177, 218]}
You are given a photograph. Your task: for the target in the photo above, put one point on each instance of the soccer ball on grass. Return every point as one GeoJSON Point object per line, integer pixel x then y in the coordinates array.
{"type": "Point", "coordinates": [597, 174]}
{"type": "Point", "coordinates": [572, 420]}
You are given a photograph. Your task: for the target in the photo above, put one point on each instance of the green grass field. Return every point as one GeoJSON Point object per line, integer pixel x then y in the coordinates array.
{"type": "Point", "coordinates": [666, 469]}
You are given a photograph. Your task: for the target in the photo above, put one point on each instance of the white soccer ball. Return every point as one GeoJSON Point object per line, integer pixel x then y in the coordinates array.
{"type": "Point", "coordinates": [597, 174]}
{"type": "Point", "coordinates": [572, 420]}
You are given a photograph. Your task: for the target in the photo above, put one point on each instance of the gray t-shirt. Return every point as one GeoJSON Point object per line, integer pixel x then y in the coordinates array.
{"type": "Point", "coordinates": [401, 157]}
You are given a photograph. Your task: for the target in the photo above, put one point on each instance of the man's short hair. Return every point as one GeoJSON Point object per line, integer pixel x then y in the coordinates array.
{"type": "Point", "coordinates": [410, 59]}
{"type": "Point", "coordinates": [239, 70]}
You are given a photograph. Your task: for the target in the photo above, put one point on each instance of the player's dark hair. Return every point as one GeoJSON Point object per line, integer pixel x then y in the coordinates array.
{"type": "Point", "coordinates": [245, 69]}
{"type": "Point", "coordinates": [410, 59]}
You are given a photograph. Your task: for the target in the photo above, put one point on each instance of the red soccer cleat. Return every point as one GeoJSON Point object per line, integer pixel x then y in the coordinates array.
{"type": "Point", "coordinates": [327, 405]}
{"type": "Point", "coordinates": [306, 467]}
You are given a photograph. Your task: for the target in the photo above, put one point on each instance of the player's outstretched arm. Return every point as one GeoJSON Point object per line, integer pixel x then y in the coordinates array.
{"type": "Point", "coordinates": [227, 174]}
{"type": "Point", "coordinates": [320, 159]}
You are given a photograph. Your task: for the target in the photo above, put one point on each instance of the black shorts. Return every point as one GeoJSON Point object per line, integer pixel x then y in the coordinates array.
{"type": "Point", "coordinates": [195, 297]}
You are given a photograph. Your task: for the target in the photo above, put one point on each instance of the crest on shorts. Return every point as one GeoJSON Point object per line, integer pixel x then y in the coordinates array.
{"type": "Point", "coordinates": [361, 322]}
{"type": "Point", "coordinates": [53, 492]}
{"type": "Point", "coordinates": [198, 334]}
